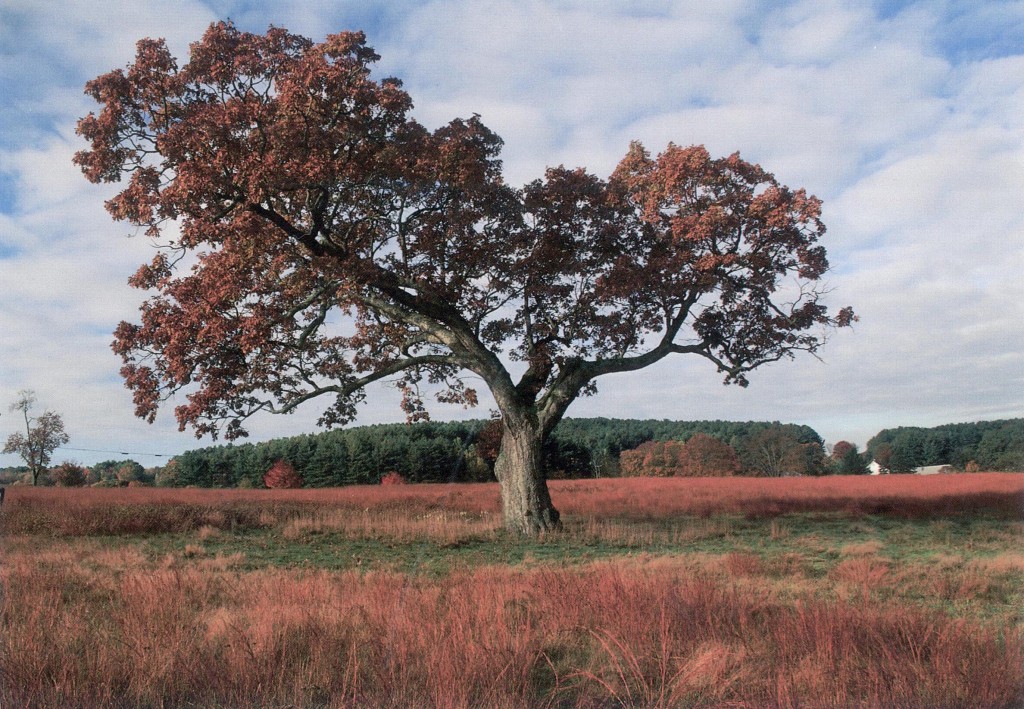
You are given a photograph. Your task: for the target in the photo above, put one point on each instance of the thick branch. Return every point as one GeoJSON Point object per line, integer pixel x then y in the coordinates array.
{"type": "Point", "coordinates": [576, 374]}
{"type": "Point", "coordinates": [307, 240]}
{"type": "Point", "coordinates": [354, 385]}
{"type": "Point", "coordinates": [447, 327]}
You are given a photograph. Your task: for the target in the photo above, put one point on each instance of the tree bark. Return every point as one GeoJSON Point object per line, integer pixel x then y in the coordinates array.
{"type": "Point", "coordinates": [519, 468]}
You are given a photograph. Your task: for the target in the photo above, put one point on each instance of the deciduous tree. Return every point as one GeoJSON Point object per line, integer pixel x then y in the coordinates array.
{"type": "Point", "coordinates": [841, 449]}
{"type": "Point", "coordinates": [303, 193]}
{"type": "Point", "coordinates": [282, 475]}
{"type": "Point", "coordinates": [847, 460]}
{"type": "Point", "coordinates": [700, 456]}
{"type": "Point", "coordinates": [43, 435]}
{"type": "Point", "coordinates": [706, 456]}
{"type": "Point", "coordinates": [655, 458]}
{"type": "Point", "coordinates": [393, 478]}
{"type": "Point", "coordinates": [69, 475]}
{"type": "Point", "coordinates": [777, 450]}
{"type": "Point", "coordinates": [883, 456]}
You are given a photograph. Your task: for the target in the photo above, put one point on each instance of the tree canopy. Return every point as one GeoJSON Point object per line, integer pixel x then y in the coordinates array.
{"type": "Point", "coordinates": [332, 241]}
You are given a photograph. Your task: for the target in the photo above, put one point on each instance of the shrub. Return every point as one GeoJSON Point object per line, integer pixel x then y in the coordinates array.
{"type": "Point", "coordinates": [109, 483]}
{"type": "Point", "coordinates": [393, 478]}
{"type": "Point", "coordinates": [69, 475]}
{"type": "Point", "coordinates": [282, 475]}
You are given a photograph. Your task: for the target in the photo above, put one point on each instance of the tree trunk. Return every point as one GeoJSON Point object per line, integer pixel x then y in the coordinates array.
{"type": "Point", "coordinates": [519, 468]}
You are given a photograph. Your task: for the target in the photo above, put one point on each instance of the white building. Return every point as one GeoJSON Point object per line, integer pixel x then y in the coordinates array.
{"type": "Point", "coordinates": [876, 469]}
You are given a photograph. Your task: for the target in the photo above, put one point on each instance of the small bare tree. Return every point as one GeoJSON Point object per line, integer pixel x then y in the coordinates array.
{"type": "Point", "coordinates": [43, 435]}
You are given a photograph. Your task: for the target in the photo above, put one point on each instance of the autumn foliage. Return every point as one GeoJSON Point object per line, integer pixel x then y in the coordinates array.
{"type": "Point", "coordinates": [842, 449]}
{"type": "Point", "coordinates": [69, 475]}
{"type": "Point", "coordinates": [282, 475]}
{"type": "Point", "coordinates": [304, 192]}
{"type": "Point", "coordinates": [393, 478]}
{"type": "Point", "coordinates": [658, 458]}
{"type": "Point", "coordinates": [702, 455]}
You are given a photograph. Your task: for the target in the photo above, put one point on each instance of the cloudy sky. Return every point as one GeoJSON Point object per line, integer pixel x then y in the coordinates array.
{"type": "Point", "coordinates": [906, 118]}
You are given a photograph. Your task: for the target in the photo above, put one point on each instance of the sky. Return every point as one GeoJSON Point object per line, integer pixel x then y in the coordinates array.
{"type": "Point", "coordinates": [905, 118]}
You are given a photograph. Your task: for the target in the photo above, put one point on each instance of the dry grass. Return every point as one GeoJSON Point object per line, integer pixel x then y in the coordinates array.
{"type": "Point", "coordinates": [439, 526]}
{"type": "Point", "coordinates": [906, 496]}
{"type": "Point", "coordinates": [51, 511]}
{"type": "Point", "coordinates": [868, 548]}
{"type": "Point", "coordinates": [630, 633]}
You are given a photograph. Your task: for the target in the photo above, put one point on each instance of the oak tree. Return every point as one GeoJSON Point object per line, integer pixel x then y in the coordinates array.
{"type": "Point", "coordinates": [700, 456]}
{"type": "Point", "coordinates": [883, 456]}
{"type": "Point", "coordinates": [318, 239]}
{"type": "Point", "coordinates": [841, 449]}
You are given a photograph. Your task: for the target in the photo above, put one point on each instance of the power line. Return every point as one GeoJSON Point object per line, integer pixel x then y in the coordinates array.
{"type": "Point", "coordinates": [98, 450]}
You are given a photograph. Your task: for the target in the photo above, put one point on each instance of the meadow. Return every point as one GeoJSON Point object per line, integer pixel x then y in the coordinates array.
{"type": "Point", "coordinates": [899, 591]}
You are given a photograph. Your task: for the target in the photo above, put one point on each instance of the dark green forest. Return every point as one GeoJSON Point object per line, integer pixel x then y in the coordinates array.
{"type": "Point", "coordinates": [463, 451]}
{"type": "Point", "coordinates": [983, 445]}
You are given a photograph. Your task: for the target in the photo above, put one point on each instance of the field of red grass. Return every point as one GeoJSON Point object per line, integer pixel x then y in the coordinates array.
{"type": "Point", "coordinates": [151, 510]}
{"type": "Point", "coordinates": [93, 620]}
{"type": "Point", "coordinates": [642, 634]}
{"type": "Point", "coordinates": [900, 495]}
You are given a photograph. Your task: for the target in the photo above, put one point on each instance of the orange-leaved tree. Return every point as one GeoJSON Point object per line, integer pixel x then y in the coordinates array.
{"type": "Point", "coordinates": [700, 456]}
{"type": "Point", "coordinates": [304, 193]}
{"type": "Point", "coordinates": [655, 458]}
{"type": "Point", "coordinates": [282, 475]}
{"type": "Point", "coordinates": [706, 456]}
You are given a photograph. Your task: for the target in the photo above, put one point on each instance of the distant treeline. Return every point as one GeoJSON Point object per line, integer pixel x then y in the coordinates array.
{"type": "Point", "coordinates": [422, 452]}
{"type": "Point", "coordinates": [109, 473]}
{"type": "Point", "coordinates": [462, 451]}
{"type": "Point", "coordinates": [984, 445]}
